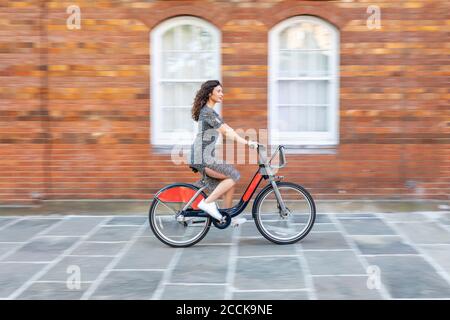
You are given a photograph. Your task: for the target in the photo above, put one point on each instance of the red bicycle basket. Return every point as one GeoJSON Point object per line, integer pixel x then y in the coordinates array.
{"type": "Point", "coordinates": [180, 194]}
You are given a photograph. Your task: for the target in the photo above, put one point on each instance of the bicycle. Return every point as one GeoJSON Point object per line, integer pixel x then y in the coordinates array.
{"type": "Point", "coordinates": [279, 209]}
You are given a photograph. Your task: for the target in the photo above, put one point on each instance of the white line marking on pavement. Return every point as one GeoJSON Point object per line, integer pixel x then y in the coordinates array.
{"type": "Point", "coordinates": [120, 225]}
{"type": "Point", "coordinates": [232, 262]}
{"type": "Point", "coordinates": [330, 231]}
{"type": "Point", "coordinates": [326, 250]}
{"type": "Point", "coordinates": [38, 235]}
{"type": "Point", "coordinates": [105, 272]}
{"type": "Point", "coordinates": [269, 256]}
{"type": "Point", "coordinates": [167, 274]}
{"type": "Point", "coordinates": [89, 241]}
{"type": "Point", "coordinates": [56, 281]}
{"type": "Point", "coordinates": [393, 255]}
{"type": "Point", "coordinates": [213, 244]}
{"type": "Point", "coordinates": [26, 262]}
{"type": "Point", "coordinates": [307, 272]}
{"type": "Point", "coordinates": [91, 255]}
{"type": "Point", "coordinates": [11, 242]}
{"type": "Point", "coordinates": [16, 220]}
{"type": "Point", "coordinates": [194, 284]}
{"type": "Point", "coordinates": [271, 290]}
{"type": "Point", "coordinates": [340, 275]}
{"type": "Point", "coordinates": [58, 236]}
{"type": "Point", "coordinates": [136, 270]}
{"type": "Point", "coordinates": [44, 270]}
{"type": "Point", "coordinates": [383, 291]}
{"type": "Point", "coordinates": [439, 270]}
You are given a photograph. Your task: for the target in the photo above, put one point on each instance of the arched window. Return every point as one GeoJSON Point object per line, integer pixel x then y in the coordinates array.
{"type": "Point", "coordinates": [185, 52]}
{"type": "Point", "coordinates": [303, 82]}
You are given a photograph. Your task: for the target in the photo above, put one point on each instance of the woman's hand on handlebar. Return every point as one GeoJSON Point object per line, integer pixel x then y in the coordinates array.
{"type": "Point", "coordinates": [252, 144]}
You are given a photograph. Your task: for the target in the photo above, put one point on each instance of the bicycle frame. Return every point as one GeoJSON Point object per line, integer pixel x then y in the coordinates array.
{"type": "Point", "coordinates": [267, 173]}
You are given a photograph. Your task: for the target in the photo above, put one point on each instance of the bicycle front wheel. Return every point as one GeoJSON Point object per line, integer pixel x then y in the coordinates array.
{"type": "Point", "coordinates": [170, 228]}
{"type": "Point", "coordinates": [284, 227]}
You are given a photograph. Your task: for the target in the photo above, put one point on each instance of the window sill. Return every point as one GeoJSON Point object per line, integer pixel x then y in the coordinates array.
{"type": "Point", "coordinates": [309, 149]}
{"type": "Point", "coordinates": [169, 148]}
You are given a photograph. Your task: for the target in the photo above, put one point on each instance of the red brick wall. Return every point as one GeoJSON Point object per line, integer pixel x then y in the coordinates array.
{"type": "Point", "coordinates": [74, 104]}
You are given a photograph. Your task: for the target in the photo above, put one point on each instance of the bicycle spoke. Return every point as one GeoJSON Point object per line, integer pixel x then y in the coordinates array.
{"type": "Point", "coordinates": [272, 221]}
{"type": "Point", "coordinates": [174, 230]}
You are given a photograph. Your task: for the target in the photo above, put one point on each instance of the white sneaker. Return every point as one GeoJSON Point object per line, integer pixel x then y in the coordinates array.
{"type": "Point", "coordinates": [211, 209]}
{"type": "Point", "coordinates": [235, 222]}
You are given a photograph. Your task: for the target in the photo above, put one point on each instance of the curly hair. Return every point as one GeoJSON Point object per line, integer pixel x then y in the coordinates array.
{"type": "Point", "coordinates": [202, 96]}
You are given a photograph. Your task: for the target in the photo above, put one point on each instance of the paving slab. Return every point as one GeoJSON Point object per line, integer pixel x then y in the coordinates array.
{"type": "Point", "coordinates": [25, 229]}
{"type": "Point", "coordinates": [202, 264]}
{"type": "Point", "coordinates": [125, 220]}
{"type": "Point", "coordinates": [325, 240]}
{"type": "Point", "coordinates": [14, 275]}
{"type": "Point", "coordinates": [333, 262]}
{"type": "Point", "coordinates": [147, 253]}
{"type": "Point", "coordinates": [269, 273]}
{"type": "Point", "coordinates": [53, 291]}
{"type": "Point", "coordinates": [425, 233]}
{"type": "Point", "coordinates": [114, 233]}
{"type": "Point", "coordinates": [99, 248]}
{"type": "Point", "coordinates": [440, 254]}
{"type": "Point", "coordinates": [42, 249]}
{"type": "Point", "coordinates": [132, 285]}
{"type": "Point", "coordinates": [410, 277]}
{"type": "Point", "coordinates": [89, 268]}
{"type": "Point", "coordinates": [366, 227]}
{"type": "Point", "coordinates": [194, 292]}
{"type": "Point", "coordinates": [383, 245]}
{"type": "Point", "coordinates": [271, 295]}
{"type": "Point", "coordinates": [351, 287]}
{"type": "Point", "coordinates": [261, 247]}
{"type": "Point", "coordinates": [75, 226]}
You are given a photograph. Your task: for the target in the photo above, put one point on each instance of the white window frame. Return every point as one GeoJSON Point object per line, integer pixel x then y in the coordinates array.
{"type": "Point", "coordinates": [158, 137]}
{"type": "Point", "coordinates": [331, 137]}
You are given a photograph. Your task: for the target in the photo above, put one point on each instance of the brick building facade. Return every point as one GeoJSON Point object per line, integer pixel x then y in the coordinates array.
{"type": "Point", "coordinates": [76, 104]}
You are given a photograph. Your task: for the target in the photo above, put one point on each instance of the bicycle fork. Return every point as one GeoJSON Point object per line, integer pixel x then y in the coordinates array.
{"type": "Point", "coordinates": [284, 211]}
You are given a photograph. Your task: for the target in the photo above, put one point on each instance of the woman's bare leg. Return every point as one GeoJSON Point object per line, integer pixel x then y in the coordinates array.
{"type": "Point", "coordinates": [228, 198]}
{"type": "Point", "coordinates": [221, 188]}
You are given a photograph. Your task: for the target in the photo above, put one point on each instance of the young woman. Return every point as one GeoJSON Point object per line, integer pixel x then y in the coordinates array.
{"type": "Point", "coordinates": [220, 177]}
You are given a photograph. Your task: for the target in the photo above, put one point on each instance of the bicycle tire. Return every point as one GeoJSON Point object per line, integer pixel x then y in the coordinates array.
{"type": "Point", "coordinates": [257, 204]}
{"type": "Point", "coordinates": [155, 229]}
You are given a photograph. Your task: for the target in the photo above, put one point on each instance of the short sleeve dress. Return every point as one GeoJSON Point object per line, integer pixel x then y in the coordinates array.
{"type": "Point", "coordinates": [202, 153]}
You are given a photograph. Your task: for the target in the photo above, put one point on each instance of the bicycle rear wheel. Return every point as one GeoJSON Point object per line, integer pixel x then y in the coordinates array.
{"type": "Point", "coordinates": [173, 231]}
{"type": "Point", "coordinates": [277, 226]}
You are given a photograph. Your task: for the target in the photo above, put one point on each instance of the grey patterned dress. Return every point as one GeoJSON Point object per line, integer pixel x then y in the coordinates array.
{"type": "Point", "coordinates": [202, 153]}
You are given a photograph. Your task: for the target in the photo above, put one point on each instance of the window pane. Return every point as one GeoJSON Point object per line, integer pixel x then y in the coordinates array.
{"type": "Point", "coordinates": [305, 35]}
{"type": "Point", "coordinates": [176, 120]}
{"type": "Point", "coordinates": [304, 50]}
{"type": "Point", "coordinates": [321, 119]}
{"type": "Point", "coordinates": [303, 92]}
{"type": "Point", "coordinates": [187, 57]}
{"type": "Point", "coordinates": [189, 65]}
{"type": "Point", "coordinates": [168, 40]}
{"type": "Point", "coordinates": [178, 94]}
{"type": "Point", "coordinates": [291, 119]}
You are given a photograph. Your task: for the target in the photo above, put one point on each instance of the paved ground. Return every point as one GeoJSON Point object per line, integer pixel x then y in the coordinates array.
{"type": "Point", "coordinates": [118, 258]}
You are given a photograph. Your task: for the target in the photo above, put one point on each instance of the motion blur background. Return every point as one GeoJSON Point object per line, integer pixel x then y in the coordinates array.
{"type": "Point", "coordinates": [93, 112]}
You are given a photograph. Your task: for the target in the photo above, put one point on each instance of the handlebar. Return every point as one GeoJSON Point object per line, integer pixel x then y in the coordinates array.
{"type": "Point", "coordinates": [263, 159]}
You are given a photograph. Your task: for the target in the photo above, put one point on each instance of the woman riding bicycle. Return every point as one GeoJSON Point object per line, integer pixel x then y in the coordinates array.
{"type": "Point", "coordinates": [220, 178]}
